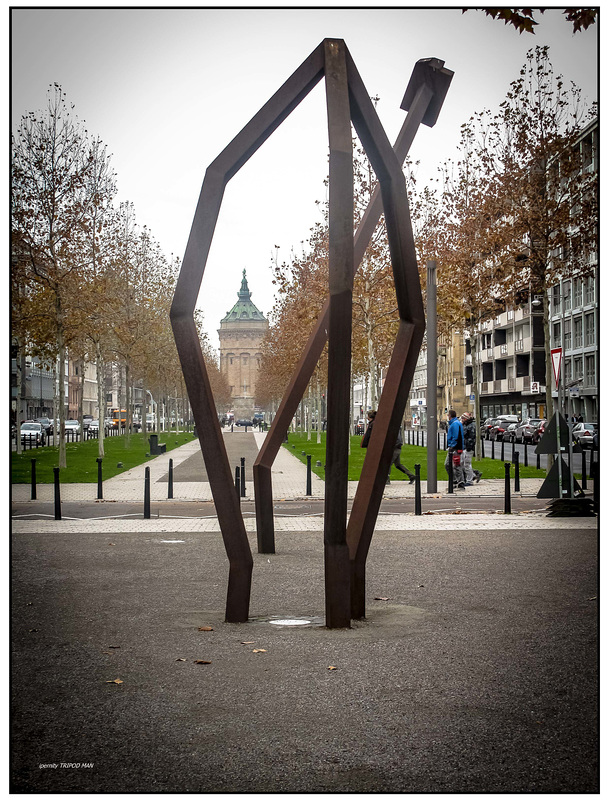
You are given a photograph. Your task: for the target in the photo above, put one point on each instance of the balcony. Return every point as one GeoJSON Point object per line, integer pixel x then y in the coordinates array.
{"type": "Point", "coordinates": [519, 346]}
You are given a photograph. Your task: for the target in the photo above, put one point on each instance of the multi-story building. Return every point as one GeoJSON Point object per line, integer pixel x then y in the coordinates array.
{"type": "Point", "coordinates": [451, 389]}
{"type": "Point", "coordinates": [241, 333]}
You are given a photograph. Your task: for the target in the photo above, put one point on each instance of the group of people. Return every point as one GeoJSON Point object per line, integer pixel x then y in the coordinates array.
{"type": "Point", "coordinates": [461, 442]}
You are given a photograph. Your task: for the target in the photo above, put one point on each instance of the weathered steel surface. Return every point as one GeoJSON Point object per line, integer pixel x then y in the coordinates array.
{"type": "Point", "coordinates": [428, 86]}
{"type": "Point", "coordinates": [346, 97]}
{"type": "Point", "coordinates": [189, 281]}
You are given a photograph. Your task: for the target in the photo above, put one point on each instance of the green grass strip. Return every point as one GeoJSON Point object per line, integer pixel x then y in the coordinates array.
{"type": "Point", "coordinates": [409, 455]}
{"type": "Point", "coordinates": [81, 458]}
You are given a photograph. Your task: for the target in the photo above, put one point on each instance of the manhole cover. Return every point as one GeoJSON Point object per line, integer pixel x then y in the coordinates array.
{"type": "Point", "coordinates": [290, 622]}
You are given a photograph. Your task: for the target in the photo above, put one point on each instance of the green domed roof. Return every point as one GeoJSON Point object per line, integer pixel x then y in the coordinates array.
{"type": "Point", "coordinates": [244, 309]}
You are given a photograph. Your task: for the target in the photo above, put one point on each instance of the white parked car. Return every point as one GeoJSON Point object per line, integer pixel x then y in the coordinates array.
{"type": "Point", "coordinates": [33, 432]}
{"type": "Point", "coordinates": [72, 425]}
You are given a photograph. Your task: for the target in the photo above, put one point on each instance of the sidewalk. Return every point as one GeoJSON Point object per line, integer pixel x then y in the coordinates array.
{"type": "Point", "coordinates": [289, 478]}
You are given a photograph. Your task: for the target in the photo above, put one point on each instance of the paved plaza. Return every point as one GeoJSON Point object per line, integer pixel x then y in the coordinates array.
{"type": "Point", "coordinates": [475, 670]}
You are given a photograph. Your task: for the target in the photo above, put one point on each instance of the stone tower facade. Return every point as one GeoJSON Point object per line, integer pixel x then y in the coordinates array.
{"type": "Point", "coordinates": [241, 333]}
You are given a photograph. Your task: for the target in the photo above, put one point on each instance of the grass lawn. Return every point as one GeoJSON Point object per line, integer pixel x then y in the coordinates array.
{"type": "Point", "coordinates": [410, 455]}
{"type": "Point", "coordinates": [81, 458]}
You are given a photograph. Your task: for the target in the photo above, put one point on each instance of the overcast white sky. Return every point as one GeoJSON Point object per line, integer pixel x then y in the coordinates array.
{"type": "Point", "coordinates": [167, 90]}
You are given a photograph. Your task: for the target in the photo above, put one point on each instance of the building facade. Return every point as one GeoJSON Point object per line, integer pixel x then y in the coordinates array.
{"type": "Point", "coordinates": [241, 334]}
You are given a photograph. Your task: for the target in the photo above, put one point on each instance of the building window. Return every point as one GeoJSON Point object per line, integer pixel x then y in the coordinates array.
{"type": "Point", "coordinates": [567, 334]}
{"type": "Point", "coordinates": [589, 329]}
{"type": "Point", "coordinates": [567, 369]}
{"type": "Point", "coordinates": [577, 368]}
{"type": "Point", "coordinates": [577, 300]}
{"type": "Point", "coordinates": [590, 370]}
{"type": "Point", "coordinates": [577, 331]}
{"type": "Point", "coordinates": [589, 290]}
{"type": "Point", "coordinates": [556, 334]}
{"type": "Point", "coordinates": [567, 296]}
{"type": "Point", "coordinates": [556, 300]}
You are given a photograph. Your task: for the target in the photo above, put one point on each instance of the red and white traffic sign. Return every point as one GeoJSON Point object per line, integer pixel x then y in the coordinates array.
{"type": "Point", "coordinates": [556, 362]}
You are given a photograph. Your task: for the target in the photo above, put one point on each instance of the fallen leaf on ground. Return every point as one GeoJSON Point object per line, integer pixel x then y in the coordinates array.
{"type": "Point", "coordinates": [247, 642]}
{"type": "Point", "coordinates": [111, 544]}
{"type": "Point", "coordinates": [114, 646]}
{"type": "Point", "coordinates": [259, 651]}
{"type": "Point", "coordinates": [200, 661]}
{"type": "Point", "coordinates": [116, 680]}
{"type": "Point", "coordinates": [331, 667]}
{"type": "Point", "coordinates": [592, 598]}
{"type": "Point", "coordinates": [382, 598]}
{"type": "Point", "coordinates": [181, 659]}
{"type": "Point", "coordinates": [205, 628]}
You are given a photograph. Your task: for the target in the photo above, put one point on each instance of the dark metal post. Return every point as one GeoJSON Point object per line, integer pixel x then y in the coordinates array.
{"type": "Point", "coordinates": [445, 445]}
{"type": "Point", "coordinates": [525, 454]}
{"type": "Point", "coordinates": [507, 488]}
{"type": "Point", "coordinates": [147, 493]}
{"type": "Point", "coordinates": [56, 493]}
{"type": "Point", "coordinates": [170, 480]}
{"type": "Point", "coordinates": [417, 491]}
{"type": "Point", "coordinates": [583, 461]}
{"type": "Point", "coordinates": [308, 487]}
{"type": "Point", "coordinates": [99, 478]}
{"type": "Point", "coordinates": [237, 482]}
{"type": "Point", "coordinates": [493, 452]}
{"type": "Point", "coordinates": [33, 490]}
{"type": "Point", "coordinates": [502, 451]}
{"type": "Point", "coordinates": [438, 440]}
{"type": "Point", "coordinates": [450, 470]}
{"type": "Point", "coordinates": [243, 476]}
{"type": "Point", "coordinates": [517, 484]}
{"type": "Point", "coordinates": [537, 460]}
{"type": "Point", "coordinates": [595, 477]}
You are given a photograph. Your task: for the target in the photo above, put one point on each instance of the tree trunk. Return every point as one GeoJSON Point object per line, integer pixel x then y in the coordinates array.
{"type": "Point", "coordinates": [61, 350]}
{"type": "Point", "coordinates": [101, 400]}
{"type": "Point", "coordinates": [81, 397]}
{"type": "Point", "coordinates": [128, 401]}
{"type": "Point", "coordinates": [548, 366]}
{"type": "Point", "coordinates": [474, 351]}
{"type": "Point", "coordinates": [319, 414]}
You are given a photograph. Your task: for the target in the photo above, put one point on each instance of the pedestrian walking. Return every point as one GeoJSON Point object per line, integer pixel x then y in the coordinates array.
{"type": "Point", "coordinates": [471, 475]}
{"type": "Point", "coordinates": [455, 448]}
{"type": "Point", "coordinates": [369, 429]}
{"type": "Point", "coordinates": [396, 460]}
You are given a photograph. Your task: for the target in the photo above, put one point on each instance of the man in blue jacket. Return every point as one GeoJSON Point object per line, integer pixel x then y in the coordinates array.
{"type": "Point", "coordinates": [455, 446]}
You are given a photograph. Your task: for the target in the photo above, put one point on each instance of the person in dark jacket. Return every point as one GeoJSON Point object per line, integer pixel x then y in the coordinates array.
{"type": "Point", "coordinates": [455, 448]}
{"type": "Point", "coordinates": [369, 429]}
{"type": "Point", "coordinates": [470, 441]}
{"type": "Point", "coordinates": [397, 448]}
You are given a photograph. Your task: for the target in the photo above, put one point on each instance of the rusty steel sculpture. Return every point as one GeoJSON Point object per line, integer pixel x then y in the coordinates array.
{"type": "Point", "coordinates": [345, 545]}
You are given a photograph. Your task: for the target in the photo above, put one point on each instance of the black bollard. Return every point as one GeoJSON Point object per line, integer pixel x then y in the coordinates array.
{"type": "Point", "coordinates": [417, 491]}
{"type": "Point", "coordinates": [595, 479]}
{"type": "Point", "coordinates": [308, 487]}
{"type": "Point", "coordinates": [517, 484]}
{"type": "Point", "coordinates": [537, 460]}
{"type": "Point", "coordinates": [33, 490]}
{"type": "Point", "coordinates": [584, 468]}
{"type": "Point", "coordinates": [237, 490]}
{"type": "Point", "coordinates": [438, 441]}
{"type": "Point", "coordinates": [56, 491]}
{"type": "Point", "coordinates": [170, 480]}
{"type": "Point", "coordinates": [502, 451]}
{"type": "Point", "coordinates": [445, 447]}
{"type": "Point", "coordinates": [525, 464]}
{"type": "Point", "coordinates": [99, 478]}
{"type": "Point", "coordinates": [493, 452]}
{"type": "Point", "coordinates": [450, 471]}
{"type": "Point", "coordinates": [243, 477]}
{"type": "Point", "coordinates": [507, 488]}
{"type": "Point", "coordinates": [147, 493]}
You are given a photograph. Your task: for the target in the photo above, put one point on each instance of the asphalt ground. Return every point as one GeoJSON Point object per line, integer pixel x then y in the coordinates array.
{"type": "Point", "coordinates": [193, 470]}
{"type": "Point", "coordinates": [475, 672]}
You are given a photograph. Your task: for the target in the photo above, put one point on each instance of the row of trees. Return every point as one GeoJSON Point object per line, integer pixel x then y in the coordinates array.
{"type": "Point", "coordinates": [88, 283]}
{"type": "Point", "coordinates": [511, 215]}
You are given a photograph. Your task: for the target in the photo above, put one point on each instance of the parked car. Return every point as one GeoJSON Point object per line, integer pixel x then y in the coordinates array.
{"type": "Point", "coordinates": [94, 426]}
{"type": "Point", "coordinates": [33, 432]}
{"type": "Point", "coordinates": [87, 420]}
{"type": "Point", "coordinates": [500, 424]}
{"type": "Point", "coordinates": [509, 433]}
{"type": "Point", "coordinates": [584, 433]}
{"type": "Point", "coordinates": [539, 428]}
{"type": "Point", "coordinates": [486, 427]}
{"type": "Point", "coordinates": [72, 425]}
{"type": "Point", "coordinates": [244, 423]}
{"type": "Point", "coordinates": [360, 427]}
{"type": "Point", "coordinates": [525, 430]}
